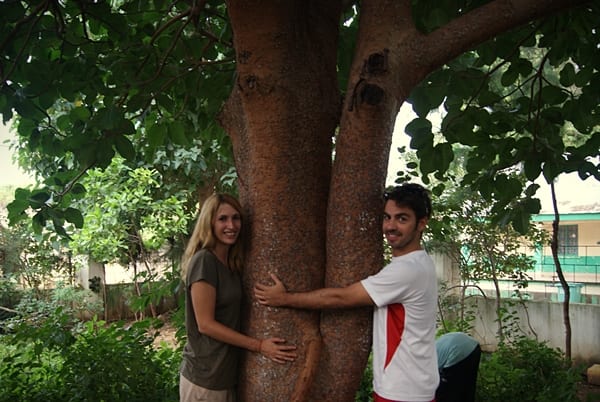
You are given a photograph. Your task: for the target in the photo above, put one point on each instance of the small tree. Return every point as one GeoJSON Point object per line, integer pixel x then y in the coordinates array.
{"type": "Point", "coordinates": [125, 224]}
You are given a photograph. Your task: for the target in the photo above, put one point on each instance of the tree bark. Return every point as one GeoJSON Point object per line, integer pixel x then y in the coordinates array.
{"type": "Point", "coordinates": [288, 104]}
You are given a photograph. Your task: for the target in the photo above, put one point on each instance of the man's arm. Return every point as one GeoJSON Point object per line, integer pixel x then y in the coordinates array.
{"type": "Point", "coordinates": [275, 295]}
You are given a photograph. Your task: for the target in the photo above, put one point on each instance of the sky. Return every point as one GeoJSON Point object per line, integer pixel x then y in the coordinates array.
{"type": "Point", "coordinates": [573, 194]}
{"type": "Point", "coordinates": [10, 174]}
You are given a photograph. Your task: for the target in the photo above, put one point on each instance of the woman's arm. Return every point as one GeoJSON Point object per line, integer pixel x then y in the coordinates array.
{"type": "Point", "coordinates": [204, 297]}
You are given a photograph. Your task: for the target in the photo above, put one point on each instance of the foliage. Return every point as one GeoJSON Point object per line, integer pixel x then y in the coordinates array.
{"type": "Point", "coordinates": [484, 251]}
{"type": "Point", "coordinates": [455, 313]}
{"type": "Point", "coordinates": [95, 361]}
{"type": "Point", "coordinates": [32, 259]}
{"type": "Point", "coordinates": [34, 308]}
{"type": "Point", "coordinates": [146, 81]}
{"type": "Point", "coordinates": [90, 80]}
{"type": "Point", "coordinates": [125, 219]}
{"type": "Point", "coordinates": [365, 390]}
{"type": "Point", "coordinates": [108, 86]}
{"type": "Point", "coordinates": [28, 374]}
{"type": "Point", "coordinates": [462, 228]}
{"type": "Point", "coordinates": [528, 371]}
{"type": "Point", "coordinates": [524, 102]}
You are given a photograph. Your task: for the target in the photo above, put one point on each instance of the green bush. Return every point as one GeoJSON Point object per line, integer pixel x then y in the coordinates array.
{"type": "Point", "coordinates": [365, 390]}
{"type": "Point", "coordinates": [114, 363]}
{"type": "Point", "coordinates": [92, 362]}
{"type": "Point", "coordinates": [526, 371]}
{"type": "Point", "coordinates": [28, 375]}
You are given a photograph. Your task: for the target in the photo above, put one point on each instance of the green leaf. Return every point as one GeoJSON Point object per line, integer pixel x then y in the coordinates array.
{"type": "Point", "coordinates": [551, 171]}
{"type": "Point", "coordinates": [420, 101]}
{"type": "Point", "coordinates": [156, 135]}
{"type": "Point", "coordinates": [532, 205]}
{"type": "Point", "coordinates": [418, 127]}
{"type": "Point", "coordinates": [38, 198]}
{"type": "Point", "coordinates": [177, 133]}
{"type": "Point", "coordinates": [64, 122]}
{"type": "Point", "coordinates": [80, 113]}
{"type": "Point", "coordinates": [584, 76]}
{"type": "Point", "coordinates": [507, 187]}
{"type": "Point", "coordinates": [520, 221]}
{"type": "Point", "coordinates": [74, 216]}
{"type": "Point", "coordinates": [567, 75]}
{"type": "Point", "coordinates": [38, 222]}
{"type": "Point", "coordinates": [126, 127]}
{"type": "Point", "coordinates": [552, 95]}
{"type": "Point", "coordinates": [532, 168]}
{"type": "Point", "coordinates": [125, 147]}
{"type": "Point", "coordinates": [59, 228]}
{"type": "Point", "coordinates": [488, 98]}
{"type": "Point", "coordinates": [443, 156]}
{"type": "Point", "coordinates": [78, 188]}
{"type": "Point", "coordinates": [510, 76]}
{"type": "Point", "coordinates": [108, 118]}
{"type": "Point", "coordinates": [16, 208]}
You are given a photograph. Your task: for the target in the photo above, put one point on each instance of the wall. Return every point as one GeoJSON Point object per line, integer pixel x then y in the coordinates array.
{"type": "Point", "coordinates": [543, 320]}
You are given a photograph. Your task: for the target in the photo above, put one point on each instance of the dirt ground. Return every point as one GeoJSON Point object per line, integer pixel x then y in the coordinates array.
{"type": "Point", "coordinates": [588, 392]}
{"type": "Point", "coordinates": [585, 391]}
{"type": "Point", "coordinates": [166, 333]}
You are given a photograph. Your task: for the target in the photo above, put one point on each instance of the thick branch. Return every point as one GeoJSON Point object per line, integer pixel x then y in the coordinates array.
{"type": "Point", "coordinates": [482, 24]}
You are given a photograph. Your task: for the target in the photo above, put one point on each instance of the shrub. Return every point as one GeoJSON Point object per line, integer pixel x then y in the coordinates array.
{"type": "Point", "coordinates": [365, 390]}
{"type": "Point", "coordinates": [56, 361]}
{"type": "Point", "coordinates": [114, 363]}
{"type": "Point", "coordinates": [526, 371]}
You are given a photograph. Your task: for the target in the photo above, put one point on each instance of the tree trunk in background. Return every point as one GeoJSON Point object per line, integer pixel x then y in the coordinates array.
{"type": "Point", "coordinates": [315, 218]}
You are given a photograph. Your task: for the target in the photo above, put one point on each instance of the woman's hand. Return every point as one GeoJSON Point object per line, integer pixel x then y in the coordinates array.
{"type": "Point", "coordinates": [273, 295]}
{"type": "Point", "coordinates": [274, 349]}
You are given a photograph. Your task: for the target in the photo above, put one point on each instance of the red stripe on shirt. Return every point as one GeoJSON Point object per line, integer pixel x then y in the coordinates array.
{"type": "Point", "coordinates": [394, 330]}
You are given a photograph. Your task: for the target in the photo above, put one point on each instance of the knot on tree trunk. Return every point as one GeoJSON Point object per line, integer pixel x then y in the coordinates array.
{"type": "Point", "coordinates": [371, 94]}
{"type": "Point", "coordinates": [377, 63]}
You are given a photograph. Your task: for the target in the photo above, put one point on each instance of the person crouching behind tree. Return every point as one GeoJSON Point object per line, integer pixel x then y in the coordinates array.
{"type": "Point", "coordinates": [458, 363]}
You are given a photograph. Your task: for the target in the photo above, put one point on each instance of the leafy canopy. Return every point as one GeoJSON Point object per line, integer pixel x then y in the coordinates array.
{"type": "Point", "coordinates": [525, 103]}
{"type": "Point", "coordinates": [90, 80]}
{"type": "Point", "coordinates": [145, 80]}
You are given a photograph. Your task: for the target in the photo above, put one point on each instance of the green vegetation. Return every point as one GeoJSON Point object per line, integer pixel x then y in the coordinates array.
{"type": "Point", "coordinates": [62, 360]}
{"type": "Point", "coordinates": [527, 371]}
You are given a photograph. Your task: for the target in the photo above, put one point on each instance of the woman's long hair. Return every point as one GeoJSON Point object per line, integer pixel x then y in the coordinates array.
{"type": "Point", "coordinates": [203, 235]}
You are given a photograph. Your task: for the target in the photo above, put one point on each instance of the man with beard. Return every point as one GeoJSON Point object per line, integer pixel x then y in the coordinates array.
{"type": "Point", "coordinates": [404, 294]}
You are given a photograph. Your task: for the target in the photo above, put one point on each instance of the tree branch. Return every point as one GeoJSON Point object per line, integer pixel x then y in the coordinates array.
{"type": "Point", "coordinates": [482, 24]}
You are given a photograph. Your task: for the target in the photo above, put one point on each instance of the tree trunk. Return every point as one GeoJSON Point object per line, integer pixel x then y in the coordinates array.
{"type": "Point", "coordinates": [312, 222]}
{"type": "Point", "coordinates": [561, 276]}
{"type": "Point", "coordinates": [288, 104]}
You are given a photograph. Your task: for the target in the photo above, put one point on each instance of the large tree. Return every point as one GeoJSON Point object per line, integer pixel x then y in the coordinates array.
{"type": "Point", "coordinates": [308, 92]}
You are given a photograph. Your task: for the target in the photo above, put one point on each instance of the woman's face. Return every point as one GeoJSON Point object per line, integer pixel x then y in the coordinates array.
{"type": "Point", "coordinates": [227, 224]}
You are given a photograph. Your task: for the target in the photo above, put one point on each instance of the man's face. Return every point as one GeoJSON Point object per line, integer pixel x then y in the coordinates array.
{"type": "Point", "coordinates": [401, 229]}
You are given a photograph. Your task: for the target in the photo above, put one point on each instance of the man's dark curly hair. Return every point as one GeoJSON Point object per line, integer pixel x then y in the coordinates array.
{"type": "Point", "coordinates": [413, 196]}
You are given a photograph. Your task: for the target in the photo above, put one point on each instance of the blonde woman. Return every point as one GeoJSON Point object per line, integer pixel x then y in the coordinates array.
{"type": "Point", "coordinates": [211, 270]}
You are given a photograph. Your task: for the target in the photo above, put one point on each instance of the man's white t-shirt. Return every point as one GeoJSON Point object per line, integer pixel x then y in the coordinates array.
{"type": "Point", "coordinates": [404, 321]}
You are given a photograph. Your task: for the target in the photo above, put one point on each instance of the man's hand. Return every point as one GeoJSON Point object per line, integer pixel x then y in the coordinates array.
{"type": "Point", "coordinates": [273, 295]}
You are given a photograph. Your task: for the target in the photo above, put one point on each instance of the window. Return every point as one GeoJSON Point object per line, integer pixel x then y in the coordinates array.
{"type": "Point", "coordinates": [568, 240]}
